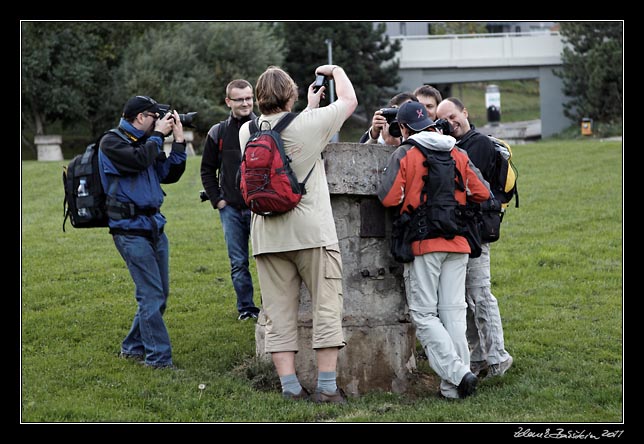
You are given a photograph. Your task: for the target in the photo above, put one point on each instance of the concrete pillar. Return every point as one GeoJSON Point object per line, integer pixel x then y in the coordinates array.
{"type": "Point", "coordinates": [379, 354]}
{"type": "Point", "coordinates": [49, 147]}
{"type": "Point", "coordinates": [552, 100]}
{"type": "Point", "coordinates": [189, 135]}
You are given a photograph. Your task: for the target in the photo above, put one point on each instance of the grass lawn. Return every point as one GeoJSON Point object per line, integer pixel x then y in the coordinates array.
{"type": "Point", "coordinates": [557, 273]}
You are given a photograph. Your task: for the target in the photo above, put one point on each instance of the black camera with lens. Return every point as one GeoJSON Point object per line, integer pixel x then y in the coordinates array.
{"type": "Point", "coordinates": [390, 114]}
{"type": "Point", "coordinates": [185, 119]}
{"type": "Point", "coordinates": [444, 126]}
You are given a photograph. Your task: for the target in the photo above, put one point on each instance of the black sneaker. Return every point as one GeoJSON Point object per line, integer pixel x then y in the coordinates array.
{"type": "Point", "coordinates": [467, 386]}
{"type": "Point", "coordinates": [246, 316]}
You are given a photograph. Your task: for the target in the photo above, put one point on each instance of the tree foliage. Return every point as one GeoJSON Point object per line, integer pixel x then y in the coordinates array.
{"type": "Point", "coordinates": [66, 71]}
{"type": "Point", "coordinates": [79, 74]}
{"type": "Point", "coordinates": [442, 28]}
{"type": "Point", "coordinates": [189, 64]}
{"type": "Point", "coordinates": [366, 53]}
{"type": "Point", "coordinates": [592, 71]}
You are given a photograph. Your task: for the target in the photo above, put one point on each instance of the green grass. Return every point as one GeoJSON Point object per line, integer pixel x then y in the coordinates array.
{"type": "Point", "coordinates": [557, 273]}
{"type": "Point", "coordinates": [519, 100]}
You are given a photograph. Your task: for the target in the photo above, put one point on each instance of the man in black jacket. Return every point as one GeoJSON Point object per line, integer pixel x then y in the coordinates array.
{"type": "Point", "coordinates": [484, 328]}
{"type": "Point", "coordinates": [219, 165]}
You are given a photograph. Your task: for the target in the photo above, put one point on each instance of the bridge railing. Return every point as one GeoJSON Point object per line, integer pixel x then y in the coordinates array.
{"type": "Point", "coordinates": [480, 50]}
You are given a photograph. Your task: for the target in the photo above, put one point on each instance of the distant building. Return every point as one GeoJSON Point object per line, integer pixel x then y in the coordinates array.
{"type": "Point", "coordinates": [424, 28]}
{"type": "Point", "coordinates": [515, 51]}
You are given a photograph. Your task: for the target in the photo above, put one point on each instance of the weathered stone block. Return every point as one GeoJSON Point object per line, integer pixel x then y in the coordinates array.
{"type": "Point", "coordinates": [380, 338]}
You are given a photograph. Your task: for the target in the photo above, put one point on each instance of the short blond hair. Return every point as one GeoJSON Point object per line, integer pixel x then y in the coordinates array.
{"type": "Point", "coordinates": [238, 84]}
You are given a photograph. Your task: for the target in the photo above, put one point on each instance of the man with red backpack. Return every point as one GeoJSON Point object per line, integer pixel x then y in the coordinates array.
{"type": "Point", "coordinates": [301, 245]}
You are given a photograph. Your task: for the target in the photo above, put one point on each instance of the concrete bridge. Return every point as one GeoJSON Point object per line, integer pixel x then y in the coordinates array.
{"type": "Point", "coordinates": [448, 59]}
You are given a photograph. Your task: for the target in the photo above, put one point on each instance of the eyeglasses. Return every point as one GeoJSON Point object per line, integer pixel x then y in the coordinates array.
{"type": "Point", "coordinates": [242, 99]}
{"type": "Point", "coordinates": [153, 115]}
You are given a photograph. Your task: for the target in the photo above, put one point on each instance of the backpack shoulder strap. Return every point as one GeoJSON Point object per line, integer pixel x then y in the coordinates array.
{"type": "Point", "coordinates": [285, 121]}
{"type": "Point", "coordinates": [467, 137]}
{"type": "Point", "coordinates": [221, 130]}
{"type": "Point", "coordinates": [115, 178]}
{"type": "Point", "coordinates": [219, 144]}
{"type": "Point", "coordinates": [118, 133]}
{"type": "Point", "coordinates": [252, 127]}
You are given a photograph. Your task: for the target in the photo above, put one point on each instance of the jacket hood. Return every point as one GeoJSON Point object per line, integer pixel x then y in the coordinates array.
{"type": "Point", "coordinates": [433, 140]}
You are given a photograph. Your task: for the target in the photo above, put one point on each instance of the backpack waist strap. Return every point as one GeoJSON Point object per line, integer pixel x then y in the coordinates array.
{"type": "Point", "coordinates": [119, 210]}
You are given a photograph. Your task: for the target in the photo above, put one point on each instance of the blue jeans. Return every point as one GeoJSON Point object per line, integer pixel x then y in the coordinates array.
{"type": "Point", "coordinates": [236, 226]}
{"type": "Point", "coordinates": [147, 262]}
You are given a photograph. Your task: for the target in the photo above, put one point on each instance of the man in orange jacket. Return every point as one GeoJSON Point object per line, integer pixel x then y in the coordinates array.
{"type": "Point", "coordinates": [435, 279]}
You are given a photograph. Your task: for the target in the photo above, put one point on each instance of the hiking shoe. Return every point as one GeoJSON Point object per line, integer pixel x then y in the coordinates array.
{"type": "Point", "coordinates": [246, 316]}
{"type": "Point", "coordinates": [479, 368]}
{"type": "Point", "coordinates": [304, 395]}
{"type": "Point", "coordinates": [467, 387]}
{"type": "Point", "coordinates": [336, 398]}
{"type": "Point", "coordinates": [499, 369]}
{"type": "Point", "coordinates": [132, 356]}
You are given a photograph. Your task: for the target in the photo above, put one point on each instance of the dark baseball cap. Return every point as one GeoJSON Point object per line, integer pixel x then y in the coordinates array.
{"type": "Point", "coordinates": [414, 115]}
{"type": "Point", "coordinates": [138, 104]}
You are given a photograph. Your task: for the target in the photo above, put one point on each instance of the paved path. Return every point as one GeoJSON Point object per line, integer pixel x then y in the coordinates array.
{"type": "Point", "coordinates": [514, 132]}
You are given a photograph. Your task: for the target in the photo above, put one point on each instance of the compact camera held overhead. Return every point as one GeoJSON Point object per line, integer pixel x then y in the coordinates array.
{"type": "Point", "coordinates": [320, 81]}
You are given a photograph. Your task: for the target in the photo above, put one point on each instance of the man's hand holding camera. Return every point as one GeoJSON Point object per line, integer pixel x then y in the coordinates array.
{"type": "Point", "coordinates": [380, 124]}
{"type": "Point", "coordinates": [169, 124]}
{"type": "Point", "coordinates": [316, 89]}
{"type": "Point", "coordinates": [314, 95]}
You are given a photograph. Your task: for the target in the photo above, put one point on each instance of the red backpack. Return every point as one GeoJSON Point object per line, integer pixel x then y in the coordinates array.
{"type": "Point", "coordinates": [267, 182]}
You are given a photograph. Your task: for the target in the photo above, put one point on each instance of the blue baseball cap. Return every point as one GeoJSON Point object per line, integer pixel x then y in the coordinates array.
{"type": "Point", "coordinates": [414, 115]}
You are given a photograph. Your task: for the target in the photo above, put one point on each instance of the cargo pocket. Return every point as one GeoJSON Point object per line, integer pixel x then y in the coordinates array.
{"type": "Point", "coordinates": [333, 262]}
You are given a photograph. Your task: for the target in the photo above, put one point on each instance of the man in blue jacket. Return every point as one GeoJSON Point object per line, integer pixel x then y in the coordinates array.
{"type": "Point", "coordinates": [133, 167]}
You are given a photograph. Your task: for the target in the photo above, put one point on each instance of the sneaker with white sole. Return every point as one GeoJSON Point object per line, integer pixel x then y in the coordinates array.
{"type": "Point", "coordinates": [499, 369]}
{"type": "Point", "coordinates": [246, 316]}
